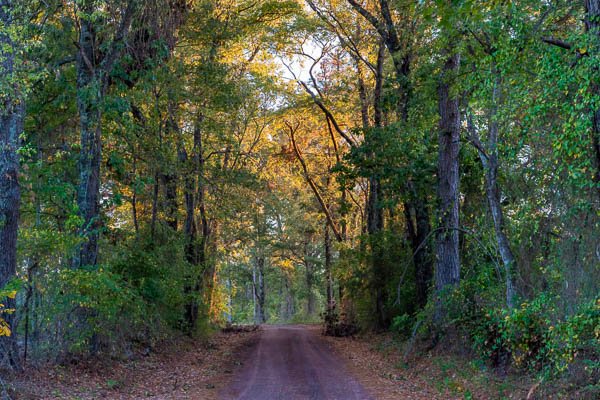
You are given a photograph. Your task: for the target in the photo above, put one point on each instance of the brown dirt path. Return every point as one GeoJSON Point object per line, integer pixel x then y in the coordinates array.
{"type": "Point", "coordinates": [292, 362]}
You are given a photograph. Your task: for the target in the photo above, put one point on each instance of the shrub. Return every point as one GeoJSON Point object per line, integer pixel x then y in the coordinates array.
{"type": "Point", "coordinates": [95, 308]}
{"type": "Point", "coordinates": [402, 325]}
{"type": "Point", "coordinates": [534, 339]}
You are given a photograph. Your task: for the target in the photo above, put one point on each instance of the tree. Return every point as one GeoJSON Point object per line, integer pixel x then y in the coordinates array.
{"type": "Point", "coordinates": [416, 209]}
{"type": "Point", "coordinates": [102, 37]}
{"type": "Point", "coordinates": [12, 113]}
{"type": "Point", "coordinates": [447, 268]}
{"type": "Point", "coordinates": [93, 78]}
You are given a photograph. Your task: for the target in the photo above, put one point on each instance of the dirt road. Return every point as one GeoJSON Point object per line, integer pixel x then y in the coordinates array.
{"type": "Point", "coordinates": [293, 363]}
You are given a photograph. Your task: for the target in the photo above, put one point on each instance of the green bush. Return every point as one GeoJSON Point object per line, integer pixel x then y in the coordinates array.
{"type": "Point", "coordinates": [534, 339]}
{"type": "Point", "coordinates": [157, 274]}
{"type": "Point", "coordinates": [402, 325]}
{"type": "Point", "coordinates": [95, 308]}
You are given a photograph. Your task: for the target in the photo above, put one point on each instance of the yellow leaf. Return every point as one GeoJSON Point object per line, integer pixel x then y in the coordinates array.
{"type": "Point", "coordinates": [4, 329]}
{"type": "Point", "coordinates": [12, 294]}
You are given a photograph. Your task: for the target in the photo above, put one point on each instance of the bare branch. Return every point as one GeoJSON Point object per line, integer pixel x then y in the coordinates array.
{"type": "Point", "coordinates": [313, 186]}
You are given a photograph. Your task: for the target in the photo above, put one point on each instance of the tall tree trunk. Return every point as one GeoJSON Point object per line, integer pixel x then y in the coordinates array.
{"type": "Point", "coordinates": [309, 269]}
{"type": "Point", "coordinates": [418, 228]}
{"type": "Point", "coordinates": [447, 270]}
{"type": "Point", "coordinates": [508, 258]}
{"type": "Point", "coordinates": [328, 272]}
{"type": "Point", "coordinates": [191, 249]}
{"type": "Point", "coordinates": [490, 163]}
{"type": "Point", "coordinates": [258, 282]}
{"type": "Point", "coordinates": [12, 112]}
{"type": "Point", "coordinates": [378, 264]}
{"type": "Point", "coordinates": [191, 243]}
{"type": "Point", "coordinates": [90, 93]}
{"type": "Point", "coordinates": [208, 228]}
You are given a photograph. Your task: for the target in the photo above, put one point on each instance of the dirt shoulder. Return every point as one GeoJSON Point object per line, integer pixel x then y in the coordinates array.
{"type": "Point", "coordinates": [377, 362]}
{"type": "Point", "coordinates": [185, 369]}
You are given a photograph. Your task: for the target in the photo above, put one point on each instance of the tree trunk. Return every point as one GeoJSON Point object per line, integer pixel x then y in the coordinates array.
{"type": "Point", "coordinates": [309, 269]}
{"type": "Point", "coordinates": [154, 216]}
{"type": "Point", "coordinates": [170, 184]}
{"type": "Point", "coordinates": [191, 252]}
{"type": "Point", "coordinates": [12, 112]}
{"type": "Point", "coordinates": [508, 258]}
{"type": "Point", "coordinates": [328, 272]}
{"type": "Point", "coordinates": [417, 204]}
{"type": "Point", "coordinates": [90, 93]}
{"type": "Point", "coordinates": [488, 155]}
{"type": "Point", "coordinates": [490, 165]}
{"type": "Point", "coordinates": [289, 300]}
{"type": "Point", "coordinates": [258, 282]}
{"type": "Point", "coordinates": [208, 228]}
{"type": "Point", "coordinates": [191, 243]}
{"type": "Point", "coordinates": [374, 229]}
{"type": "Point", "coordinates": [447, 270]}
{"type": "Point", "coordinates": [418, 228]}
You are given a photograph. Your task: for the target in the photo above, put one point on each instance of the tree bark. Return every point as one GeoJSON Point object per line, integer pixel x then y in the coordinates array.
{"type": "Point", "coordinates": [447, 270]}
{"type": "Point", "coordinates": [328, 272]}
{"type": "Point", "coordinates": [192, 249]}
{"type": "Point", "coordinates": [90, 92]}
{"type": "Point", "coordinates": [12, 112]}
{"type": "Point", "coordinates": [490, 163]}
{"type": "Point", "coordinates": [418, 228]}
{"type": "Point", "coordinates": [258, 283]}
{"type": "Point", "coordinates": [309, 269]}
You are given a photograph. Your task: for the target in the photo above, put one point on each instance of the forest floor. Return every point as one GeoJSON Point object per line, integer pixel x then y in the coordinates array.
{"type": "Point", "coordinates": [182, 369]}
{"type": "Point", "coordinates": [379, 363]}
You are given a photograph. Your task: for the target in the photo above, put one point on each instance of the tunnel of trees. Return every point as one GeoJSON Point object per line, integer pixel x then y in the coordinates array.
{"type": "Point", "coordinates": [415, 166]}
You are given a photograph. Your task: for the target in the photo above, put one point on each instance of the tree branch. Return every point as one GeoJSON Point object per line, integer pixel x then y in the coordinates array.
{"type": "Point", "coordinates": [557, 42]}
{"type": "Point", "coordinates": [371, 18]}
{"type": "Point", "coordinates": [312, 184]}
